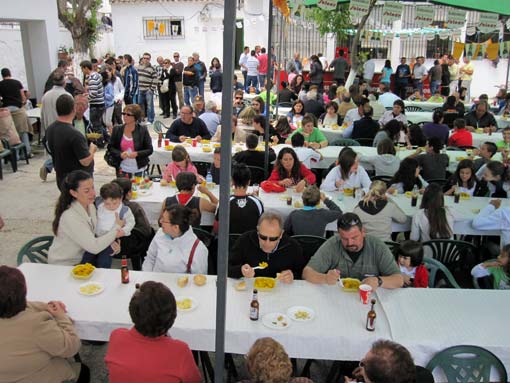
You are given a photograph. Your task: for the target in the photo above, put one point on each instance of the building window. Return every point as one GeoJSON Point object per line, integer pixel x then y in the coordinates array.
{"type": "Point", "coordinates": [159, 28]}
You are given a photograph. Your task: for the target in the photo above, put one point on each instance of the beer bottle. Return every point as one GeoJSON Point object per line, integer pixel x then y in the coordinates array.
{"type": "Point", "coordinates": [124, 271]}
{"type": "Point", "coordinates": [160, 139]}
{"type": "Point", "coordinates": [254, 306]}
{"type": "Point", "coordinates": [371, 317]}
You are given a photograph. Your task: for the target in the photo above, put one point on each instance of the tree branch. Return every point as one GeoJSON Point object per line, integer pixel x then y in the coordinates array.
{"type": "Point", "coordinates": [355, 40]}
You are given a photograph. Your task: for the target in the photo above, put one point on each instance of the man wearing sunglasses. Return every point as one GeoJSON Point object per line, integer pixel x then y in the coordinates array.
{"type": "Point", "coordinates": [269, 244]}
{"type": "Point", "coordinates": [353, 254]}
{"type": "Point", "coordinates": [238, 102]}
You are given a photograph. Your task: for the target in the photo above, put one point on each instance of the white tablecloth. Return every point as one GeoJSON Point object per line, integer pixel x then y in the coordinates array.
{"type": "Point", "coordinates": [337, 331]}
{"type": "Point", "coordinates": [34, 113]}
{"type": "Point", "coordinates": [427, 321]}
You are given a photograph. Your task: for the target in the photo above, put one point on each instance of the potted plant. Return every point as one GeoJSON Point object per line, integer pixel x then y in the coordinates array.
{"type": "Point", "coordinates": [63, 52]}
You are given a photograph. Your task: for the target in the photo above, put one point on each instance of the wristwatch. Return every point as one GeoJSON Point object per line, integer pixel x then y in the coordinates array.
{"type": "Point", "coordinates": [379, 281]}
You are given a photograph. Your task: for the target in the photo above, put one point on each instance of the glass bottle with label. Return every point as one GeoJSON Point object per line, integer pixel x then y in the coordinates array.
{"type": "Point", "coordinates": [254, 306]}
{"type": "Point", "coordinates": [124, 271]}
{"type": "Point", "coordinates": [371, 317]}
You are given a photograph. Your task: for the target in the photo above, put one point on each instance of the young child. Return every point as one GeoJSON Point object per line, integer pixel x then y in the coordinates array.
{"type": "Point", "coordinates": [181, 162]}
{"type": "Point", "coordinates": [497, 269]}
{"type": "Point", "coordinates": [410, 261]}
{"type": "Point", "coordinates": [107, 206]}
{"type": "Point", "coordinates": [215, 166]}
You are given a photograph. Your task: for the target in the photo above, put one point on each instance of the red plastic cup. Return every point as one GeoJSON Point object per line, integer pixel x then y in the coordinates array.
{"type": "Point", "coordinates": [364, 293]}
{"type": "Point", "coordinates": [167, 142]}
{"type": "Point", "coordinates": [194, 143]}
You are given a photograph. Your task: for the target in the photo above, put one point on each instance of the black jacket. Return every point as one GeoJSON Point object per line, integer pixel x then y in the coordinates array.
{"type": "Point", "coordinates": [179, 128]}
{"type": "Point", "coordinates": [142, 141]}
{"type": "Point", "coordinates": [314, 107]}
{"type": "Point", "coordinates": [365, 128]}
{"type": "Point", "coordinates": [288, 256]}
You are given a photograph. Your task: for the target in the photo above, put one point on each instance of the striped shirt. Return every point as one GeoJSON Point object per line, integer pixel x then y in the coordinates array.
{"type": "Point", "coordinates": [147, 78]}
{"type": "Point", "coordinates": [94, 83]}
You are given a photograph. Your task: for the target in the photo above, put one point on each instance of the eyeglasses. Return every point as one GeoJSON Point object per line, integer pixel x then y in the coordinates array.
{"type": "Point", "coordinates": [176, 57]}
{"type": "Point", "coordinates": [345, 223]}
{"type": "Point", "coordinates": [161, 221]}
{"type": "Point", "coordinates": [186, 113]}
{"type": "Point", "coordinates": [127, 114]}
{"type": "Point", "coordinates": [266, 238]}
{"type": "Point", "coordinates": [239, 98]}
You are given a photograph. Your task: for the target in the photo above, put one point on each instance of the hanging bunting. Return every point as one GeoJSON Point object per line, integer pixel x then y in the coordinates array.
{"type": "Point", "coordinates": [388, 36]}
{"type": "Point", "coordinates": [424, 15]}
{"type": "Point", "coordinates": [161, 28]}
{"type": "Point", "coordinates": [481, 51]}
{"type": "Point", "coordinates": [470, 31]}
{"type": "Point", "coordinates": [504, 49]}
{"type": "Point", "coordinates": [358, 8]}
{"type": "Point", "coordinates": [492, 51]}
{"type": "Point", "coordinates": [488, 22]}
{"type": "Point", "coordinates": [458, 48]}
{"type": "Point", "coordinates": [430, 36]}
{"type": "Point", "coordinates": [443, 35]}
{"type": "Point", "coordinates": [476, 51]}
{"type": "Point", "coordinates": [327, 5]}
{"type": "Point", "coordinates": [470, 50]}
{"type": "Point", "coordinates": [456, 18]}
{"type": "Point", "coordinates": [456, 34]}
{"type": "Point", "coordinates": [392, 11]}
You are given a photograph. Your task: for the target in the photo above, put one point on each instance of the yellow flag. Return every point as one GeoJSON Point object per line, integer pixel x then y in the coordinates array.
{"type": "Point", "coordinates": [492, 51]}
{"type": "Point", "coordinates": [150, 25]}
{"type": "Point", "coordinates": [458, 48]}
{"type": "Point", "coordinates": [161, 28]}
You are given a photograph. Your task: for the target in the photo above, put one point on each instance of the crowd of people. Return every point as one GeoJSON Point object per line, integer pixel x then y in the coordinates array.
{"type": "Point", "coordinates": [119, 96]}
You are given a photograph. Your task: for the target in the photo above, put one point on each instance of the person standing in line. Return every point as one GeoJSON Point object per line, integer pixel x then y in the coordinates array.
{"type": "Point", "coordinates": [419, 74]}
{"type": "Point", "coordinates": [179, 68]}
{"type": "Point", "coordinates": [368, 70]}
{"type": "Point", "coordinates": [340, 66]}
{"type": "Point", "coordinates": [202, 73]}
{"type": "Point", "coordinates": [147, 80]}
{"type": "Point", "coordinates": [159, 71]}
{"type": "Point", "coordinates": [95, 91]}
{"type": "Point", "coordinates": [445, 76]}
{"type": "Point", "coordinates": [453, 69]}
{"type": "Point", "coordinates": [435, 74]}
{"type": "Point", "coordinates": [130, 80]}
{"type": "Point", "coordinates": [252, 65]}
{"type": "Point", "coordinates": [466, 76]}
{"type": "Point", "coordinates": [190, 82]}
{"type": "Point", "coordinates": [263, 63]}
{"type": "Point", "coordinates": [402, 76]}
{"type": "Point", "coordinates": [242, 63]}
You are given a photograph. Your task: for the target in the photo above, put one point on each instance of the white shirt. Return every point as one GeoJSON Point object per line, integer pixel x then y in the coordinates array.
{"type": "Point", "coordinates": [106, 220]}
{"type": "Point", "coordinates": [491, 218]}
{"type": "Point", "coordinates": [360, 179]}
{"type": "Point", "coordinates": [243, 59]}
{"type": "Point", "coordinates": [306, 155]}
{"type": "Point", "coordinates": [369, 69]}
{"type": "Point", "coordinates": [253, 66]}
{"type": "Point", "coordinates": [387, 99]}
{"type": "Point", "coordinates": [169, 255]}
{"type": "Point", "coordinates": [388, 116]}
{"type": "Point", "coordinates": [420, 227]}
{"type": "Point", "coordinates": [410, 273]}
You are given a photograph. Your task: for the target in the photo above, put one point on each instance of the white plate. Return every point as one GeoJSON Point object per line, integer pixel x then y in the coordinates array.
{"type": "Point", "coordinates": [276, 321]}
{"type": "Point", "coordinates": [84, 285]}
{"type": "Point", "coordinates": [294, 312]}
{"type": "Point", "coordinates": [144, 192]}
{"type": "Point", "coordinates": [194, 304]}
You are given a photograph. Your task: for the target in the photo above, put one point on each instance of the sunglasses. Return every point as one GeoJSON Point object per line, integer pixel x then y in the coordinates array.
{"type": "Point", "coordinates": [352, 222]}
{"type": "Point", "coordinates": [239, 98]}
{"type": "Point", "coordinates": [176, 57]}
{"type": "Point", "coordinates": [127, 114]}
{"type": "Point", "coordinates": [270, 239]}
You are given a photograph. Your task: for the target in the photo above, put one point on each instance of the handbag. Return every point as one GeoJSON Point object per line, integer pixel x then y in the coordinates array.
{"type": "Point", "coordinates": [164, 87]}
{"type": "Point", "coordinates": [111, 159]}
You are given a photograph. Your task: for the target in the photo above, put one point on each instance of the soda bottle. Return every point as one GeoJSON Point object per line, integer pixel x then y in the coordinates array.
{"type": "Point", "coordinates": [254, 307]}
{"type": "Point", "coordinates": [371, 317]}
{"type": "Point", "coordinates": [124, 271]}
{"type": "Point", "coordinates": [414, 196]}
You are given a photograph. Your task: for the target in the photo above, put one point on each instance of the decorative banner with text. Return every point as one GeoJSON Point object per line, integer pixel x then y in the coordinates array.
{"type": "Point", "coordinates": [424, 15]}
{"type": "Point", "coordinates": [488, 22]}
{"type": "Point", "coordinates": [358, 8]}
{"type": "Point", "coordinates": [392, 11]}
{"type": "Point", "coordinates": [327, 5]}
{"type": "Point", "coordinates": [456, 18]}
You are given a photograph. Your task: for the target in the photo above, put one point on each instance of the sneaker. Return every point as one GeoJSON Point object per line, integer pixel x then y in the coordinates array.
{"type": "Point", "coordinates": [43, 173]}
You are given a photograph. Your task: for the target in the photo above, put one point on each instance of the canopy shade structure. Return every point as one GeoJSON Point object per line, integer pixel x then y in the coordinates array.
{"type": "Point", "coordinates": [501, 7]}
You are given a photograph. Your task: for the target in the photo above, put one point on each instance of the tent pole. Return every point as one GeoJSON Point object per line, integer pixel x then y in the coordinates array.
{"type": "Point", "coordinates": [229, 19]}
{"type": "Point", "coordinates": [507, 71]}
{"type": "Point", "coordinates": [268, 90]}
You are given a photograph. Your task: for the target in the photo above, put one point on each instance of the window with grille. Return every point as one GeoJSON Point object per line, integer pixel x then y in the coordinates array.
{"type": "Point", "coordinates": [159, 28]}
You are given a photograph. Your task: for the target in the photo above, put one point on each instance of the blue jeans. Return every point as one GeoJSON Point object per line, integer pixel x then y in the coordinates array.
{"type": "Point", "coordinates": [146, 102]}
{"type": "Point", "coordinates": [102, 259]}
{"type": "Point", "coordinates": [251, 81]}
{"type": "Point", "coordinates": [189, 94]}
{"type": "Point", "coordinates": [245, 76]}
{"type": "Point", "coordinates": [48, 164]}
{"type": "Point", "coordinates": [262, 79]}
{"type": "Point", "coordinates": [201, 87]}
{"type": "Point", "coordinates": [434, 86]}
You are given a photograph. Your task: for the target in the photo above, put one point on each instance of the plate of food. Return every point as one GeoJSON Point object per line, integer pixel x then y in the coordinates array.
{"type": "Point", "coordinates": [183, 281]}
{"type": "Point", "coordinates": [464, 195]}
{"type": "Point", "coordinates": [408, 194]}
{"type": "Point", "coordinates": [276, 321]}
{"type": "Point", "coordinates": [186, 304]}
{"type": "Point", "coordinates": [144, 192]}
{"type": "Point", "coordinates": [264, 283]}
{"type": "Point", "coordinates": [216, 145]}
{"type": "Point", "coordinates": [83, 271]}
{"type": "Point", "coordinates": [460, 158]}
{"type": "Point", "coordinates": [351, 285]}
{"type": "Point", "coordinates": [93, 136]}
{"type": "Point", "coordinates": [300, 313]}
{"type": "Point", "coordinates": [169, 147]}
{"type": "Point", "coordinates": [240, 286]}
{"type": "Point", "coordinates": [206, 149]}
{"type": "Point", "coordinates": [91, 288]}
{"type": "Point", "coordinates": [348, 192]}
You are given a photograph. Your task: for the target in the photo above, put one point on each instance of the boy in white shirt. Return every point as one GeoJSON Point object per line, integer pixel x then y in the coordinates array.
{"type": "Point", "coordinates": [305, 155]}
{"type": "Point", "coordinates": [108, 206]}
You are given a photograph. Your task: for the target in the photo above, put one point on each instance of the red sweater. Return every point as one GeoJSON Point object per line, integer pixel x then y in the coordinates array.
{"type": "Point", "coordinates": [461, 137]}
{"type": "Point", "coordinates": [421, 277]}
{"type": "Point", "coordinates": [134, 358]}
{"type": "Point", "coordinates": [304, 172]}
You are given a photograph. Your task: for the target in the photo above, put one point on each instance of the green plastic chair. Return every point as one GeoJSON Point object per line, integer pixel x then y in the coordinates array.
{"type": "Point", "coordinates": [467, 364]}
{"type": "Point", "coordinates": [393, 246]}
{"type": "Point", "coordinates": [344, 142]}
{"type": "Point", "coordinates": [158, 126]}
{"type": "Point", "coordinates": [35, 250]}
{"type": "Point", "coordinates": [433, 266]}
{"type": "Point", "coordinates": [310, 244]}
{"type": "Point", "coordinates": [206, 237]}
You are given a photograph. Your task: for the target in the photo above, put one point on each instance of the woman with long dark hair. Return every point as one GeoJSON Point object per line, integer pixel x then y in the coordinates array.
{"type": "Point", "coordinates": [297, 84]}
{"type": "Point", "coordinates": [215, 74]}
{"type": "Point", "coordinates": [289, 171]}
{"type": "Point", "coordinates": [433, 220]}
{"type": "Point", "coordinates": [407, 176]}
{"type": "Point", "coordinates": [391, 130]}
{"type": "Point", "coordinates": [296, 114]}
{"type": "Point", "coordinates": [75, 222]}
{"type": "Point", "coordinates": [466, 181]}
{"type": "Point", "coordinates": [348, 174]}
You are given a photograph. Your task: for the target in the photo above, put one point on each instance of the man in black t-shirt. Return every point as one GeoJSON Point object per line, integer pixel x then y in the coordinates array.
{"type": "Point", "coordinates": [11, 91]}
{"type": "Point", "coordinates": [67, 146]}
{"type": "Point", "coordinates": [187, 126]}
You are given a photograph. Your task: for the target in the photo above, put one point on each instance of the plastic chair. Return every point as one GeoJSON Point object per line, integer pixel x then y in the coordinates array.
{"type": "Point", "coordinates": [310, 244]}
{"type": "Point", "coordinates": [450, 252]}
{"type": "Point", "coordinates": [365, 141]}
{"type": "Point", "coordinates": [158, 126]}
{"type": "Point", "coordinates": [35, 250]}
{"type": "Point", "coordinates": [468, 364]}
{"type": "Point", "coordinates": [467, 147]}
{"type": "Point", "coordinates": [206, 237]}
{"type": "Point", "coordinates": [433, 266]}
{"type": "Point", "coordinates": [344, 142]}
{"type": "Point", "coordinates": [5, 155]}
{"type": "Point", "coordinates": [454, 148]}
{"type": "Point", "coordinates": [393, 246]}
{"type": "Point", "coordinates": [413, 108]}
{"type": "Point", "coordinates": [202, 167]}
{"type": "Point", "coordinates": [258, 174]}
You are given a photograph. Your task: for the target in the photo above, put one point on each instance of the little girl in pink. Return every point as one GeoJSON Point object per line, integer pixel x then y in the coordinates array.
{"type": "Point", "coordinates": [181, 162]}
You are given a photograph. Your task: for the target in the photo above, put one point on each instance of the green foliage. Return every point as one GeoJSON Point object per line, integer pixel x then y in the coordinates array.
{"type": "Point", "coordinates": [336, 21]}
{"type": "Point", "coordinates": [92, 23]}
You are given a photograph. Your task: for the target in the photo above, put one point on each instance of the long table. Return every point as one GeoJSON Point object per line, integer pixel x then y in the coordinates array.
{"type": "Point", "coordinates": [424, 320]}
{"type": "Point", "coordinates": [463, 212]}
